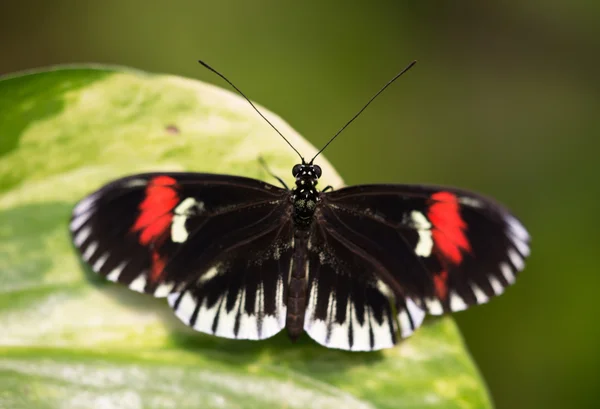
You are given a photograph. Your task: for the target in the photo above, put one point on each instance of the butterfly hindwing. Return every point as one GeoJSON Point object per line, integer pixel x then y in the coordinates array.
{"type": "Point", "coordinates": [239, 293]}
{"type": "Point", "coordinates": [348, 307]}
{"type": "Point", "coordinates": [363, 277]}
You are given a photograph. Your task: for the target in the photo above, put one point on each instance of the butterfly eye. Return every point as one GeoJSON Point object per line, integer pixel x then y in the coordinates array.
{"type": "Point", "coordinates": [296, 169]}
{"type": "Point", "coordinates": [317, 170]}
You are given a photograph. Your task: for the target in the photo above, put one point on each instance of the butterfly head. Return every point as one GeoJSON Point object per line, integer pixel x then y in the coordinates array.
{"type": "Point", "coordinates": [306, 171]}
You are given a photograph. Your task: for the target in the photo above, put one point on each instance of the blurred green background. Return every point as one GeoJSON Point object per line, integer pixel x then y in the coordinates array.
{"type": "Point", "coordinates": [505, 100]}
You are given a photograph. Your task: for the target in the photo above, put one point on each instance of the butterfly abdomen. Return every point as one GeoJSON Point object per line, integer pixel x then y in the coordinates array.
{"type": "Point", "coordinates": [296, 298]}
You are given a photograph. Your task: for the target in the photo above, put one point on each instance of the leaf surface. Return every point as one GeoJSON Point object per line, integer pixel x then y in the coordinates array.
{"type": "Point", "coordinates": [70, 339]}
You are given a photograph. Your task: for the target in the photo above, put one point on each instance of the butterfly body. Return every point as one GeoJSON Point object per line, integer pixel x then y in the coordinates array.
{"type": "Point", "coordinates": [305, 199]}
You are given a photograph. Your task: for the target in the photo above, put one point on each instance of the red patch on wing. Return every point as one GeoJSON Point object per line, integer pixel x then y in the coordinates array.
{"type": "Point", "coordinates": [441, 287]}
{"type": "Point", "coordinates": [158, 266]}
{"type": "Point", "coordinates": [448, 227]}
{"type": "Point", "coordinates": [155, 211]}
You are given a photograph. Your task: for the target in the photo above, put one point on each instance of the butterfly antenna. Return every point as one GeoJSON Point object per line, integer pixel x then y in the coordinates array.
{"type": "Point", "coordinates": [408, 67]}
{"type": "Point", "coordinates": [250, 102]}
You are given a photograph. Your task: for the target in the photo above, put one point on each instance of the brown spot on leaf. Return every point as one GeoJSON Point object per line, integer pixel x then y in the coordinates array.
{"type": "Point", "coordinates": [172, 129]}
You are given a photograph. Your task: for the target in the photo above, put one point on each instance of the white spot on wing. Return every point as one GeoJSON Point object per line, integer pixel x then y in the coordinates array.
{"type": "Point", "coordinates": [417, 314]}
{"type": "Point", "coordinates": [179, 233]}
{"type": "Point", "coordinates": [423, 227]}
{"type": "Point", "coordinates": [135, 183]}
{"type": "Point", "coordinates": [361, 340]}
{"type": "Point", "coordinates": [382, 335]}
{"type": "Point", "coordinates": [434, 306]}
{"type": "Point", "coordinates": [517, 228]}
{"type": "Point", "coordinates": [259, 304]}
{"type": "Point", "coordinates": [479, 294]}
{"type": "Point", "coordinates": [139, 283]}
{"type": "Point", "coordinates": [183, 211]}
{"type": "Point", "coordinates": [82, 236]}
{"type": "Point", "coordinates": [496, 285]}
{"type": "Point", "coordinates": [384, 289]}
{"type": "Point", "coordinates": [516, 259]}
{"type": "Point", "coordinates": [338, 336]}
{"type": "Point", "coordinates": [209, 275]}
{"type": "Point", "coordinates": [206, 316]}
{"type": "Point", "coordinates": [258, 325]}
{"type": "Point", "coordinates": [507, 273]}
{"type": "Point", "coordinates": [419, 220]}
{"type": "Point", "coordinates": [456, 302]}
{"type": "Point", "coordinates": [248, 323]}
{"type": "Point", "coordinates": [255, 325]}
{"type": "Point", "coordinates": [226, 320]}
{"type": "Point", "coordinates": [163, 290]}
{"type": "Point", "coordinates": [469, 201]}
{"type": "Point", "coordinates": [89, 251]}
{"type": "Point", "coordinates": [317, 331]}
{"type": "Point", "coordinates": [186, 307]}
{"type": "Point", "coordinates": [271, 326]}
{"type": "Point", "coordinates": [186, 204]}
{"type": "Point", "coordinates": [84, 205]}
{"type": "Point", "coordinates": [520, 245]}
{"type": "Point", "coordinates": [79, 221]}
{"type": "Point", "coordinates": [115, 273]}
{"type": "Point", "coordinates": [310, 307]}
{"type": "Point", "coordinates": [280, 303]}
{"type": "Point", "coordinates": [100, 262]}
{"type": "Point", "coordinates": [405, 327]}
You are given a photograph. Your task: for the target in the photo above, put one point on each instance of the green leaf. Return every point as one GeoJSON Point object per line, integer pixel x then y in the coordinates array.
{"type": "Point", "coordinates": [69, 339]}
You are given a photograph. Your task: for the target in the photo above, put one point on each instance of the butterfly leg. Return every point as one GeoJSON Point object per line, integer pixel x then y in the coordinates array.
{"type": "Point", "coordinates": [266, 168]}
{"type": "Point", "coordinates": [328, 187]}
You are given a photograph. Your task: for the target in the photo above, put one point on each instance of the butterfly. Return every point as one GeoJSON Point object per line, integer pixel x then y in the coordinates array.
{"type": "Point", "coordinates": [357, 268]}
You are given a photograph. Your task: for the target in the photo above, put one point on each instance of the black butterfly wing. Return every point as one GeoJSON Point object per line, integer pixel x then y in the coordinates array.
{"type": "Point", "coordinates": [348, 305]}
{"type": "Point", "coordinates": [419, 248]}
{"type": "Point", "coordinates": [188, 236]}
{"type": "Point", "coordinates": [242, 294]}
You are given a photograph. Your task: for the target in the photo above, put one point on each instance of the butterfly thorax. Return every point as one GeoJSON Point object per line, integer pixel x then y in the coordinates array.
{"type": "Point", "coordinates": [305, 195]}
